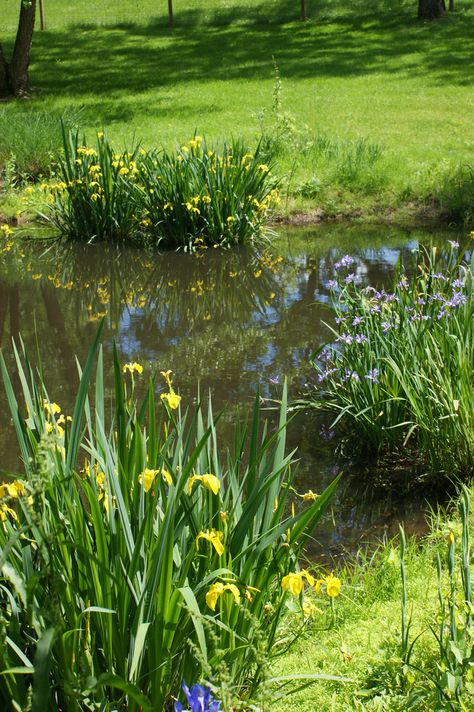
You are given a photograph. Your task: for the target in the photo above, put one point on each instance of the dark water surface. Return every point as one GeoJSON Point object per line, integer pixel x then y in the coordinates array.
{"type": "Point", "coordinates": [226, 320]}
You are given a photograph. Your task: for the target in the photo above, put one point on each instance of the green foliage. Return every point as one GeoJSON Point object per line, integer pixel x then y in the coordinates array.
{"type": "Point", "coordinates": [29, 141]}
{"type": "Point", "coordinates": [133, 555]}
{"type": "Point", "coordinates": [195, 197]}
{"type": "Point", "coordinates": [400, 373]}
{"type": "Point", "coordinates": [455, 194]}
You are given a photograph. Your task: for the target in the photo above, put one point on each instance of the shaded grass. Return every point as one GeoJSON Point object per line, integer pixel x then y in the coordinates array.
{"type": "Point", "coordinates": [361, 73]}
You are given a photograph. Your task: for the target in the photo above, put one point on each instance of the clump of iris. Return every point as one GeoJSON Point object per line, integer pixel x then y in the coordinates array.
{"type": "Point", "coordinates": [199, 700]}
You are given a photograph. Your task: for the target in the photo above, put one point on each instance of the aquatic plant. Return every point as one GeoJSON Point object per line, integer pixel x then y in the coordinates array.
{"type": "Point", "coordinates": [399, 372]}
{"type": "Point", "coordinates": [132, 555]}
{"type": "Point", "coordinates": [198, 196]}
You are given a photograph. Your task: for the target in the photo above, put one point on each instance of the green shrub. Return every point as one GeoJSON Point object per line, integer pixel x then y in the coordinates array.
{"type": "Point", "coordinates": [195, 197]}
{"type": "Point", "coordinates": [400, 373]}
{"type": "Point", "coordinates": [133, 556]}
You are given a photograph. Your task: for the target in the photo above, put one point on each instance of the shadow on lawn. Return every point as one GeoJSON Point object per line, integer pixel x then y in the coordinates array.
{"type": "Point", "coordinates": [101, 65]}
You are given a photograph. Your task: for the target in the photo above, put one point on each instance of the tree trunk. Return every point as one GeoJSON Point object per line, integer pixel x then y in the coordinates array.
{"type": "Point", "coordinates": [431, 9]}
{"type": "Point", "coordinates": [3, 74]}
{"type": "Point", "coordinates": [19, 81]}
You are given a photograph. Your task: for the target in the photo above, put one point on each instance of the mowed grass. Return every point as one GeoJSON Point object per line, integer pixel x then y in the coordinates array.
{"type": "Point", "coordinates": [349, 74]}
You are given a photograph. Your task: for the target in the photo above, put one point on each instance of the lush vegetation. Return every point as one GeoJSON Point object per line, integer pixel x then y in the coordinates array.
{"type": "Point", "coordinates": [371, 110]}
{"type": "Point", "coordinates": [399, 374]}
{"type": "Point", "coordinates": [133, 556]}
{"type": "Point", "coordinates": [197, 197]}
{"type": "Point", "coordinates": [403, 633]}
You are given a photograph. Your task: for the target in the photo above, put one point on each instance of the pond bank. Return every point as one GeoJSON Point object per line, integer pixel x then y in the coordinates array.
{"type": "Point", "coordinates": [364, 643]}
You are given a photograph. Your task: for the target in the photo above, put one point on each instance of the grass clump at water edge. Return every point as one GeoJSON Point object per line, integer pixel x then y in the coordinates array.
{"type": "Point", "coordinates": [195, 197]}
{"type": "Point", "coordinates": [399, 374]}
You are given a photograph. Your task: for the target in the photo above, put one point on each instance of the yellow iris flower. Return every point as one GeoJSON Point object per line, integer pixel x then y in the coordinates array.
{"type": "Point", "coordinates": [147, 477]}
{"type": "Point", "coordinates": [216, 591]}
{"type": "Point", "coordinates": [210, 482]}
{"type": "Point", "coordinates": [214, 537]}
{"type": "Point", "coordinates": [132, 367]}
{"type": "Point", "coordinates": [294, 583]}
{"type": "Point", "coordinates": [172, 398]}
{"type": "Point", "coordinates": [332, 584]}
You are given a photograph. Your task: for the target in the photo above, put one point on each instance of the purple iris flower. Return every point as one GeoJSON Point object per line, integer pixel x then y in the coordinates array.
{"type": "Point", "coordinates": [357, 320]}
{"type": "Point", "coordinates": [346, 261]}
{"type": "Point", "coordinates": [332, 284]}
{"type": "Point", "coordinates": [199, 700]}
{"type": "Point", "coordinates": [373, 375]}
{"type": "Point", "coordinates": [350, 278]}
{"type": "Point", "coordinates": [453, 244]}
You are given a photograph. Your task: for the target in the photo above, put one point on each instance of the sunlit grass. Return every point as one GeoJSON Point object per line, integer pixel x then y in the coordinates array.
{"type": "Point", "coordinates": [346, 74]}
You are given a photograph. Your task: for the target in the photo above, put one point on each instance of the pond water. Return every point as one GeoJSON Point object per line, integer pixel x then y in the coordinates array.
{"type": "Point", "coordinates": [225, 322]}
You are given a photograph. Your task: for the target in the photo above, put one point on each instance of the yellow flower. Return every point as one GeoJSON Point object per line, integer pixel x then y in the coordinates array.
{"type": "Point", "coordinates": [214, 537]}
{"type": "Point", "coordinates": [451, 538]}
{"type": "Point", "coordinates": [4, 510]}
{"type": "Point", "coordinates": [472, 234]}
{"type": "Point", "coordinates": [12, 489]}
{"type": "Point", "coordinates": [168, 206]}
{"type": "Point", "coordinates": [52, 408]}
{"type": "Point", "coordinates": [293, 582]}
{"type": "Point", "coordinates": [264, 168]}
{"type": "Point", "coordinates": [310, 496]}
{"type": "Point", "coordinates": [6, 229]}
{"type": "Point", "coordinates": [216, 591]}
{"type": "Point", "coordinates": [147, 477]}
{"type": "Point", "coordinates": [206, 199]}
{"type": "Point", "coordinates": [332, 583]}
{"type": "Point", "coordinates": [100, 134]}
{"type": "Point", "coordinates": [132, 367]}
{"type": "Point", "coordinates": [167, 376]}
{"type": "Point", "coordinates": [210, 482]}
{"type": "Point", "coordinates": [171, 398]}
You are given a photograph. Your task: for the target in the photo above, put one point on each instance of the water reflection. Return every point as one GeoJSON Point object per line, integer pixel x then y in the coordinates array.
{"type": "Point", "coordinates": [226, 320]}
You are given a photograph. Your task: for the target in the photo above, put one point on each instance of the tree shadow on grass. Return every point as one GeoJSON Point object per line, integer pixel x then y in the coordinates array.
{"type": "Point", "coordinates": [120, 62]}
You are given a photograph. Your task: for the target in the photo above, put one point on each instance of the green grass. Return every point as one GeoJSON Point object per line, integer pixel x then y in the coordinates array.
{"type": "Point", "coordinates": [365, 641]}
{"type": "Point", "coordinates": [348, 75]}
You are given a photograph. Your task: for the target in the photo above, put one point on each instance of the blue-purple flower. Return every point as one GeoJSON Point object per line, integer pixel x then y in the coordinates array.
{"type": "Point", "coordinates": [373, 375]}
{"type": "Point", "coordinates": [199, 700]}
{"type": "Point", "coordinates": [345, 261]}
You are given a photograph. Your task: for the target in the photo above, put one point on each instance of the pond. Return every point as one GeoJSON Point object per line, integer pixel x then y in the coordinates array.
{"type": "Point", "coordinates": [225, 322]}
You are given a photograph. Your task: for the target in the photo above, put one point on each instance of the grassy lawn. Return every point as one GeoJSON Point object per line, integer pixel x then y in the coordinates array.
{"type": "Point", "coordinates": [374, 106]}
